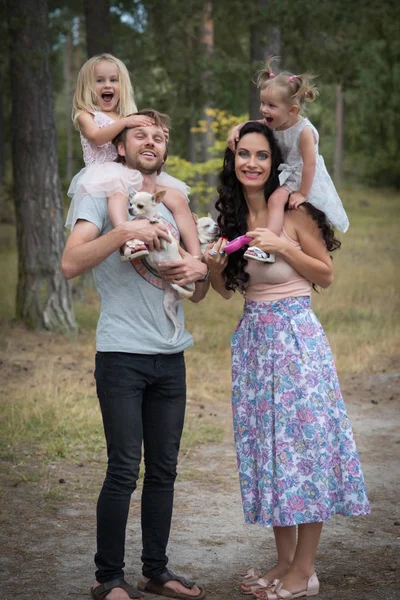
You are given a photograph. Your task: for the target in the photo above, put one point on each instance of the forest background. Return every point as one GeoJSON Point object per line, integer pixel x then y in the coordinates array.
{"type": "Point", "coordinates": [195, 60]}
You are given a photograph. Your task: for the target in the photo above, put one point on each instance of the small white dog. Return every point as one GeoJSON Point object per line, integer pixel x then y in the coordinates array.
{"type": "Point", "coordinates": [207, 230]}
{"type": "Point", "coordinates": [143, 205]}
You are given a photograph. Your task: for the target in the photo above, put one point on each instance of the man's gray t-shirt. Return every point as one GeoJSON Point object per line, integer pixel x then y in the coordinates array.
{"type": "Point", "coordinates": [132, 317]}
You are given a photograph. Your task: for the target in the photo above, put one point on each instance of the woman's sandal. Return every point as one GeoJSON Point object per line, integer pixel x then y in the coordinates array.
{"type": "Point", "coordinates": [101, 591]}
{"type": "Point", "coordinates": [157, 586]}
{"type": "Point", "coordinates": [251, 577]}
{"type": "Point", "coordinates": [277, 592]}
{"type": "Point", "coordinates": [257, 586]}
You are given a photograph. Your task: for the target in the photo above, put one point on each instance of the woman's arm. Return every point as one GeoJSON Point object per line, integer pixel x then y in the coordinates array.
{"type": "Point", "coordinates": [313, 261]}
{"type": "Point", "coordinates": [217, 263]}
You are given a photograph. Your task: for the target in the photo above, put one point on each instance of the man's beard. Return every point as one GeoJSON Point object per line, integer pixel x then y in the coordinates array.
{"type": "Point", "coordinates": [143, 167]}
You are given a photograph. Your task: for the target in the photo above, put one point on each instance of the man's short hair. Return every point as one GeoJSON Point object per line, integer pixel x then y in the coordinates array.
{"type": "Point", "coordinates": [160, 120]}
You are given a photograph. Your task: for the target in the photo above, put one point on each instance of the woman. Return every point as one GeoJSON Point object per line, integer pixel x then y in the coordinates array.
{"type": "Point", "coordinates": [298, 464]}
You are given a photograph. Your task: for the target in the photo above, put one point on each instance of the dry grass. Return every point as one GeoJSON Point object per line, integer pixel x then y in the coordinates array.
{"type": "Point", "coordinates": [48, 402]}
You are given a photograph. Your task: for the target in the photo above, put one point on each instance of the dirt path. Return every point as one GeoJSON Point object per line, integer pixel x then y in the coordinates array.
{"type": "Point", "coordinates": [47, 547]}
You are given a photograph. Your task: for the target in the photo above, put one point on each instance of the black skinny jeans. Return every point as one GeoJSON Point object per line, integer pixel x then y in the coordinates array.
{"type": "Point", "coordinates": [142, 397]}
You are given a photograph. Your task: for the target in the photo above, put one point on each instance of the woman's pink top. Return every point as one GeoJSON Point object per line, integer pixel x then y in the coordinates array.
{"type": "Point", "coordinates": [270, 282]}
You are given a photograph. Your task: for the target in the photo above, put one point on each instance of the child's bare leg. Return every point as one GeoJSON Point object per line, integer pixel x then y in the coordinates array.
{"type": "Point", "coordinates": [276, 211]}
{"type": "Point", "coordinates": [118, 213]}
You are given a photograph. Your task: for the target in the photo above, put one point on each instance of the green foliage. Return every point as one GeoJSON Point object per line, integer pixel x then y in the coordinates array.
{"type": "Point", "coordinates": [194, 173]}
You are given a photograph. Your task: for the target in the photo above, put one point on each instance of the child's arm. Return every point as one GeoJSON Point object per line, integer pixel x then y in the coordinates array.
{"type": "Point", "coordinates": [177, 204]}
{"type": "Point", "coordinates": [101, 135]}
{"type": "Point", "coordinates": [234, 134]}
{"type": "Point", "coordinates": [118, 209]}
{"type": "Point", "coordinates": [307, 149]}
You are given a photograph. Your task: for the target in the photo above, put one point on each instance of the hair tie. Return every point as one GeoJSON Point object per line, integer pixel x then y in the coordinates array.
{"type": "Point", "coordinates": [292, 78]}
{"type": "Point", "coordinates": [272, 75]}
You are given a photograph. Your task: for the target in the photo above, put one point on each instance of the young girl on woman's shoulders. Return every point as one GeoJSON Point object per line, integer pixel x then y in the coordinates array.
{"type": "Point", "coordinates": [102, 108]}
{"type": "Point", "coordinates": [303, 175]}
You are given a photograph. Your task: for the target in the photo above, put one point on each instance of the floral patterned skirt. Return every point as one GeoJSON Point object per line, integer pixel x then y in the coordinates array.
{"type": "Point", "coordinates": [296, 455]}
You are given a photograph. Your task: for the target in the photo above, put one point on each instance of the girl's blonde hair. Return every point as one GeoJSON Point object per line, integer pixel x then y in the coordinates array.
{"type": "Point", "coordinates": [85, 96]}
{"type": "Point", "coordinates": [298, 89]}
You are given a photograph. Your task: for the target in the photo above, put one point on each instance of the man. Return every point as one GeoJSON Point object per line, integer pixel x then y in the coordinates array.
{"type": "Point", "coordinates": [140, 376]}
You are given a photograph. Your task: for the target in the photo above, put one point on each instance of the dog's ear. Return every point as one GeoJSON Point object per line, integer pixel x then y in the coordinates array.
{"type": "Point", "coordinates": [209, 215]}
{"type": "Point", "coordinates": [158, 196]}
{"type": "Point", "coordinates": [195, 217]}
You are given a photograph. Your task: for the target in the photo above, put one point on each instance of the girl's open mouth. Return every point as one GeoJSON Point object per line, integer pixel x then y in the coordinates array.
{"type": "Point", "coordinates": [107, 97]}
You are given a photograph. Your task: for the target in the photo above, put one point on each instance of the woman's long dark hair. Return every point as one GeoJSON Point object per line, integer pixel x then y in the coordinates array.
{"type": "Point", "coordinates": [233, 211]}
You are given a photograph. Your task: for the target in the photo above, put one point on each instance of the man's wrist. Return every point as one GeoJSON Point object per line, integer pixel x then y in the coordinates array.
{"type": "Point", "coordinates": [205, 278]}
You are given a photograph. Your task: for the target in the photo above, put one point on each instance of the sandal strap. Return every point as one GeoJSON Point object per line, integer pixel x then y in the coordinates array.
{"type": "Point", "coordinates": [101, 591]}
{"type": "Point", "coordinates": [170, 576]}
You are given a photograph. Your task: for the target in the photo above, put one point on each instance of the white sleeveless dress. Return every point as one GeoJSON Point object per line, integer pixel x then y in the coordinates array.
{"type": "Point", "coordinates": [323, 194]}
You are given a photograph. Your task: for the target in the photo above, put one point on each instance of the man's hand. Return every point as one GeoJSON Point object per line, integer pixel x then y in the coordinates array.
{"type": "Point", "coordinates": [149, 233]}
{"type": "Point", "coordinates": [187, 270]}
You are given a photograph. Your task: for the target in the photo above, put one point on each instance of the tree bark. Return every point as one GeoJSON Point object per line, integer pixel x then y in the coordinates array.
{"type": "Point", "coordinates": [2, 148]}
{"type": "Point", "coordinates": [338, 164]}
{"type": "Point", "coordinates": [68, 82]}
{"type": "Point", "coordinates": [43, 295]}
{"type": "Point", "coordinates": [98, 27]}
{"type": "Point", "coordinates": [264, 41]}
{"type": "Point", "coordinates": [208, 138]}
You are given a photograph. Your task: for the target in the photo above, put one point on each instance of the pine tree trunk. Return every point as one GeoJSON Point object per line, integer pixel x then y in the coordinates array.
{"type": "Point", "coordinates": [208, 138]}
{"type": "Point", "coordinates": [338, 164]}
{"type": "Point", "coordinates": [98, 30]}
{"type": "Point", "coordinates": [68, 81]}
{"type": "Point", "coordinates": [43, 295]}
{"type": "Point", "coordinates": [264, 41]}
{"type": "Point", "coordinates": [2, 148]}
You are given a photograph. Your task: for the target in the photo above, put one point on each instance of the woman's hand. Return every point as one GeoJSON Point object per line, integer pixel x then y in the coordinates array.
{"type": "Point", "coordinates": [215, 257]}
{"type": "Point", "coordinates": [266, 240]}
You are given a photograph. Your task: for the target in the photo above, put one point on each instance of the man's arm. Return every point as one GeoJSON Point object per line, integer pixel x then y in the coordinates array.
{"type": "Point", "coordinates": [86, 248]}
{"type": "Point", "coordinates": [187, 270]}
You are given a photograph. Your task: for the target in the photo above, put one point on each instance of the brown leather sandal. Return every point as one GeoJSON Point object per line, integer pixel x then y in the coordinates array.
{"type": "Point", "coordinates": [101, 591]}
{"type": "Point", "coordinates": [157, 586]}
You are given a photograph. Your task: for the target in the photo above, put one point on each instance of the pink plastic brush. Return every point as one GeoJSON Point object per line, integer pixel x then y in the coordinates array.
{"type": "Point", "coordinates": [237, 243]}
